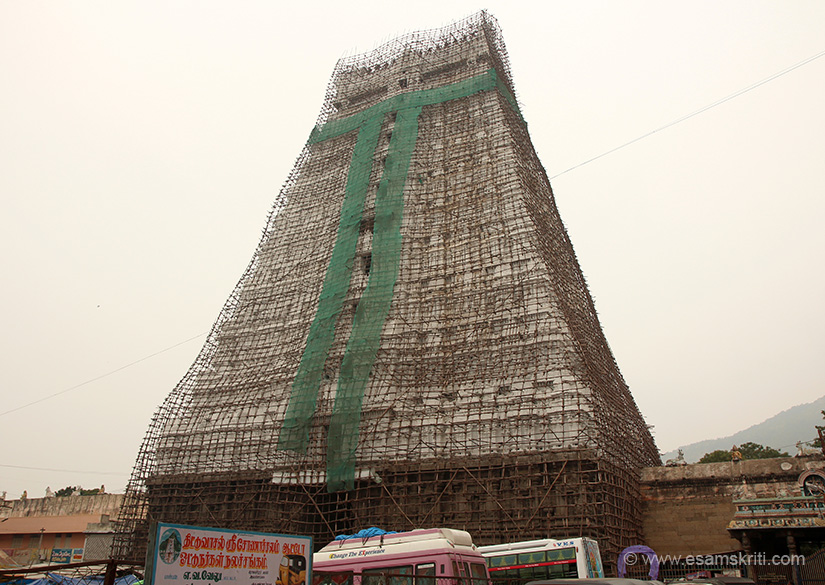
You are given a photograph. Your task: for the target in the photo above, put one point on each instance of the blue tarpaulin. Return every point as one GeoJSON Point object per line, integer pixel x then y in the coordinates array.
{"type": "Point", "coordinates": [55, 579]}
{"type": "Point", "coordinates": [365, 533]}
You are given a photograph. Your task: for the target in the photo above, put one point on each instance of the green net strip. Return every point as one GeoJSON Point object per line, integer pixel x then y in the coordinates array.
{"type": "Point", "coordinates": [357, 362]}
{"type": "Point", "coordinates": [373, 306]}
{"type": "Point", "coordinates": [295, 432]}
{"type": "Point", "coordinates": [415, 99]}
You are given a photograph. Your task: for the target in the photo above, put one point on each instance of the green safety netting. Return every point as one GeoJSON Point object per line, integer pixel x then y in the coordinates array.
{"type": "Point", "coordinates": [374, 304]}
{"type": "Point", "coordinates": [415, 99]}
{"type": "Point", "coordinates": [295, 432]}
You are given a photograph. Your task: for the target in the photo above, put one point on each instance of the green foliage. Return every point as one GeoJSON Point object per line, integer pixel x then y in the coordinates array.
{"type": "Point", "coordinates": [70, 489]}
{"type": "Point", "coordinates": [818, 442]}
{"type": "Point", "coordinates": [756, 451]}
{"type": "Point", "coordinates": [717, 456]}
{"type": "Point", "coordinates": [746, 450]}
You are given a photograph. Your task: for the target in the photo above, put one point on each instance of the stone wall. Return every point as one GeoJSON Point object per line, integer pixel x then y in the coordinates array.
{"type": "Point", "coordinates": [104, 504]}
{"type": "Point", "coordinates": [686, 509]}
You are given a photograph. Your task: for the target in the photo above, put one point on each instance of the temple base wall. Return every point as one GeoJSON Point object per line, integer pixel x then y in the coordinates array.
{"type": "Point", "coordinates": [500, 499]}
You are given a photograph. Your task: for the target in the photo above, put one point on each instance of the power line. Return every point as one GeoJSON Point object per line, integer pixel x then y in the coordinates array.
{"type": "Point", "coordinates": [612, 150]}
{"type": "Point", "coordinates": [129, 365]}
{"type": "Point", "coordinates": [697, 112]}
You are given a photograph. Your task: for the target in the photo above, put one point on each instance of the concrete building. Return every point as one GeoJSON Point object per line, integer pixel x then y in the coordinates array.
{"type": "Point", "coordinates": [57, 529]}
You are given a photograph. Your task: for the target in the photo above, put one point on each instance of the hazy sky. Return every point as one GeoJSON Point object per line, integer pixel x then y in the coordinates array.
{"type": "Point", "coordinates": [142, 144]}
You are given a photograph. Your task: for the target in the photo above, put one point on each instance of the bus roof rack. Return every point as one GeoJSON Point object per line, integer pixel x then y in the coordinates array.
{"type": "Point", "coordinates": [455, 537]}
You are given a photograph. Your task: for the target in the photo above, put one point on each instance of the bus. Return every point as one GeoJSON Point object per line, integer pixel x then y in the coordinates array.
{"type": "Point", "coordinates": [571, 558]}
{"type": "Point", "coordinates": [434, 556]}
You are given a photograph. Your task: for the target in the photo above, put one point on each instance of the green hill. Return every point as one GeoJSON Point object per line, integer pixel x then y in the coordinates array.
{"type": "Point", "coordinates": [781, 431]}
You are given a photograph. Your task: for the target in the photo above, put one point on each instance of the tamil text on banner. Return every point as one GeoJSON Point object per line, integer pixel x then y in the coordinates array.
{"type": "Point", "coordinates": [191, 555]}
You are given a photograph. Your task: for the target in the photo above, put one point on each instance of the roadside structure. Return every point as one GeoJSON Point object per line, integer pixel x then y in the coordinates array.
{"type": "Point", "coordinates": [757, 518]}
{"type": "Point", "coordinates": [57, 530]}
{"type": "Point", "coordinates": [413, 343]}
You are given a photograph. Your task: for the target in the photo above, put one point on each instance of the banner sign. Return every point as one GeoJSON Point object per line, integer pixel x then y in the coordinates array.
{"type": "Point", "coordinates": [66, 555]}
{"type": "Point", "coordinates": [190, 555]}
{"type": "Point", "coordinates": [61, 555]}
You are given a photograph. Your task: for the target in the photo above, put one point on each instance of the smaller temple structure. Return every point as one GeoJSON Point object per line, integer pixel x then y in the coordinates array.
{"type": "Point", "coordinates": [763, 518]}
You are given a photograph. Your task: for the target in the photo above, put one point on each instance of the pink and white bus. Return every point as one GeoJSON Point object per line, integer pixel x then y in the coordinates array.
{"type": "Point", "coordinates": [435, 556]}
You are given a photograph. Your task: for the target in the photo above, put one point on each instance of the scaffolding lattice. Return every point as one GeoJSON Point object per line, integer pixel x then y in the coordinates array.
{"type": "Point", "coordinates": [413, 343]}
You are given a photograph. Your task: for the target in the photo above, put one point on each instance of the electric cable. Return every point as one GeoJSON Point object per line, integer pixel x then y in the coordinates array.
{"type": "Point", "coordinates": [695, 113]}
{"type": "Point", "coordinates": [75, 387]}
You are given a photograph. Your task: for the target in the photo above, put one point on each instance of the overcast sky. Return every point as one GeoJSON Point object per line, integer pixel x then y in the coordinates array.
{"type": "Point", "coordinates": [142, 144]}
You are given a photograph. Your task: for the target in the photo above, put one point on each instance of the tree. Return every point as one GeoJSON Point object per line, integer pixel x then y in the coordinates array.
{"type": "Point", "coordinates": [756, 451]}
{"type": "Point", "coordinates": [817, 443]}
{"type": "Point", "coordinates": [70, 489]}
{"type": "Point", "coordinates": [747, 450]}
{"type": "Point", "coordinates": [717, 456]}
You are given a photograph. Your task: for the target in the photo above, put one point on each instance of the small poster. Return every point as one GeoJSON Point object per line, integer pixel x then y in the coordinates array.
{"type": "Point", "coordinates": [61, 555]}
{"type": "Point", "coordinates": [190, 555]}
{"type": "Point", "coordinates": [77, 555]}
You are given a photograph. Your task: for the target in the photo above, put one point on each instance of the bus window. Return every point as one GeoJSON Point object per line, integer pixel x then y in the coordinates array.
{"type": "Point", "coordinates": [478, 571]}
{"type": "Point", "coordinates": [497, 561]}
{"type": "Point", "coordinates": [500, 566]}
{"type": "Point", "coordinates": [461, 572]}
{"type": "Point", "coordinates": [387, 576]}
{"type": "Point", "coordinates": [333, 578]}
{"type": "Point", "coordinates": [562, 563]}
{"type": "Point", "coordinates": [531, 565]}
{"type": "Point", "coordinates": [425, 574]}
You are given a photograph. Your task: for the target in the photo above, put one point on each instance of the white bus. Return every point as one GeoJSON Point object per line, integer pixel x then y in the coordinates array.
{"type": "Point", "coordinates": [571, 558]}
